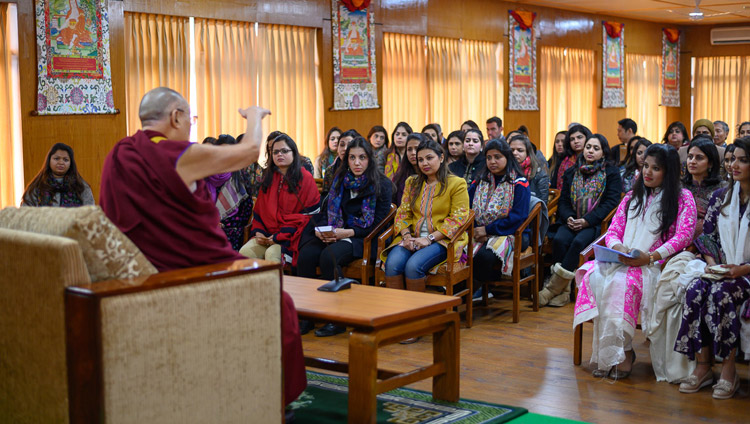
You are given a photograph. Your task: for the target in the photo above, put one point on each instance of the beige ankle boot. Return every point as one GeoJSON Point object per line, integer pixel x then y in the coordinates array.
{"type": "Point", "coordinates": [418, 284]}
{"type": "Point", "coordinates": [394, 282]}
{"type": "Point", "coordinates": [559, 281]}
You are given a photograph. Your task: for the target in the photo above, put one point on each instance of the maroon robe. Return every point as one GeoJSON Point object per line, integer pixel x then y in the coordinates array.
{"type": "Point", "coordinates": [175, 228]}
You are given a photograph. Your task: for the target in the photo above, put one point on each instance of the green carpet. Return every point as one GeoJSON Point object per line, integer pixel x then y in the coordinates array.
{"type": "Point", "coordinates": [325, 401]}
{"type": "Point", "coordinates": [532, 418]}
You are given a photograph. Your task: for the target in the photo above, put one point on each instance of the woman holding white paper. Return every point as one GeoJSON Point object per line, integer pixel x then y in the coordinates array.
{"type": "Point", "coordinates": [711, 309]}
{"type": "Point", "coordinates": [658, 219]}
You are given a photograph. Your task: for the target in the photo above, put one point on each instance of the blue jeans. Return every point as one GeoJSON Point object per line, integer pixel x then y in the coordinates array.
{"type": "Point", "coordinates": [414, 265]}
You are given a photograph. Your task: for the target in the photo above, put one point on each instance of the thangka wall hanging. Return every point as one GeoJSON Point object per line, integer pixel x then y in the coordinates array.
{"type": "Point", "coordinates": [353, 30]}
{"type": "Point", "coordinates": [74, 74]}
{"type": "Point", "coordinates": [613, 69]}
{"type": "Point", "coordinates": [670, 67]}
{"type": "Point", "coordinates": [522, 80]}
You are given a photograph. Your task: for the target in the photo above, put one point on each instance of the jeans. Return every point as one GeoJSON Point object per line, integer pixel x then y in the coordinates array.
{"type": "Point", "coordinates": [414, 265]}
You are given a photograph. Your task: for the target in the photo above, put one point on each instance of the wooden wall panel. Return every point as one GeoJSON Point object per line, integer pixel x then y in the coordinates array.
{"type": "Point", "coordinates": [92, 136]}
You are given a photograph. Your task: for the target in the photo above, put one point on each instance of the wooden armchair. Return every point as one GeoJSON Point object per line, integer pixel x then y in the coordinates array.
{"type": "Point", "coordinates": [552, 201]}
{"type": "Point", "coordinates": [319, 183]}
{"type": "Point", "coordinates": [529, 258]}
{"type": "Point", "coordinates": [363, 269]}
{"type": "Point", "coordinates": [451, 272]}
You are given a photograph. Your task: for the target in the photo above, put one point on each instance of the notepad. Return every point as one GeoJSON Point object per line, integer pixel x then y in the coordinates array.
{"type": "Point", "coordinates": [327, 231]}
{"type": "Point", "coordinates": [605, 254]}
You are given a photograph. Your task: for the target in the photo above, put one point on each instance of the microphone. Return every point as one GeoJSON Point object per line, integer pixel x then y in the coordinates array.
{"type": "Point", "coordinates": [338, 283]}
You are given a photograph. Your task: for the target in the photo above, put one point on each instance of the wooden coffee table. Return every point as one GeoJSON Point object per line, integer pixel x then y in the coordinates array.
{"type": "Point", "coordinates": [381, 317]}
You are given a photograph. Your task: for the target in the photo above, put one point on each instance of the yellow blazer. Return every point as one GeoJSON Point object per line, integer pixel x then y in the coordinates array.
{"type": "Point", "coordinates": [445, 212]}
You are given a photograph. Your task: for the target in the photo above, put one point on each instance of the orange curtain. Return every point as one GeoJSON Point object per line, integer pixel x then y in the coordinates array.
{"type": "Point", "coordinates": [643, 95]}
{"type": "Point", "coordinates": [156, 54]}
{"type": "Point", "coordinates": [11, 162]}
{"type": "Point", "coordinates": [721, 91]}
{"type": "Point", "coordinates": [288, 81]}
{"type": "Point", "coordinates": [481, 81]}
{"type": "Point", "coordinates": [567, 87]}
{"type": "Point", "coordinates": [446, 99]}
{"type": "Point", "coordinates": [405, 93]}
{"type": "Point", "coordinates": [226, 77]}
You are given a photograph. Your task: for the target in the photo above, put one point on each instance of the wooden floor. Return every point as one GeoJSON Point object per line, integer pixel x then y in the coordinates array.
{"type": "Point", "coordinates": [530, 364]}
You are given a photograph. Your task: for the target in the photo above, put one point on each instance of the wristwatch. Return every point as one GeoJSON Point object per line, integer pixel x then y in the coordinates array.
{"type": "Point", "coordinates": [431, 238]}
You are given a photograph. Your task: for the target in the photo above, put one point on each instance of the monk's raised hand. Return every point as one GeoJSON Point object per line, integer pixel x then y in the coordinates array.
{"type": "Point", "coordinates": [254, 112]}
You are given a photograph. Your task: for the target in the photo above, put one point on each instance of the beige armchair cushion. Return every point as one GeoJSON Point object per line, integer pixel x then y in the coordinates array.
{"type": "Point", "coordinates": [107, 252]}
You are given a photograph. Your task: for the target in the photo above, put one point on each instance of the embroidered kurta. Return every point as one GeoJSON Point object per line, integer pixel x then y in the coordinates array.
{"type": "Point", "coordinates": [445, 212]}
{"type": "Point", "coordinates": [392, 162]}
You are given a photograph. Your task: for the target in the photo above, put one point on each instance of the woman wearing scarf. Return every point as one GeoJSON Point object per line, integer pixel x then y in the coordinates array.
{"type": "Point", "coordinates": [408, 166]}
{"type": "Point", "coordinates": [472, 162]}
{"type": "Point", "coordinates": [653, 222]}
{"type": "Point", "coordinates": [574, 141]}
{"type": "Point", "coordinates": [534, 171]}
{"type": "Point", "coordinates": [58, 183]}
{"type": "Point", "coordinates": [378, 139]}
{"type": "Point", "coordinates": [345, 138]}
{"type": "Point", "coordinates": [500, 199]}
{"type": "Point", "coordinates": [397, 151]}
{"type": "Point", "coordinates": [326, 158]}
{"type": "Point", "coordinates": [711, 310]}
{"type": "Point", "coordinates": [287, 198]}
{"type": "Point", "coordinates": [360, 198]}
{"type": "Point", "coordinates": [590, 191]}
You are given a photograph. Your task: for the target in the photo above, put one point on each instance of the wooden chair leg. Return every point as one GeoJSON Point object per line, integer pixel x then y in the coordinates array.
{"type": "Point", "coordinates": [469, 302]}
{"type": "Point", "coordinates": [516, 301]}
{"type": "Point", "coordinates": [577, 344]}
{"type": "Point", "coordinates": [535, 286]}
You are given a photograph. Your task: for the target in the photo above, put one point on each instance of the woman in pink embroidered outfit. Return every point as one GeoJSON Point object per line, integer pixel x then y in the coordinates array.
{"type": "Point", "coordinates": [657, 219]}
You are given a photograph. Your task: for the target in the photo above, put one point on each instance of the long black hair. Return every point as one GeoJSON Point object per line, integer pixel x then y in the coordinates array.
{"type": "Point", "coordinates": [72, 179]}
{"type": "Point", "coordinates": [632, 164]}
{"type": "Point", "coordinates": [293, 175]}
{"type": "Point", "coordinates": [457, 134]}
{"type": "Point", "coordinates": [405, 168]}
{"type": "Point", "coordinates": [530, 153]}
{"type": "Point", "coordinates": [707, 146]}
{"type": "Point", "coordinates": [372, 172]}
{"type": "Point", "coordinates": [511, 165]}
{"type": "Point", "coordinates": [327, 150]}
{"type": "Point", "coordinates": [577, 128]}
{"type": "Point", "coordinates": [377, 129]}
{"type": "Point", "coordinates": [739, 143]}
{"type": "Point", "coordinates": [605, 150]}
{"type": "Point", "coordinates": [668, 160]}
{"type": "Point", "coordinates": [408, 129]}
{"type": "Point", "coordinates": [554, 161]}
{"type": "Point", "coordinates": [441, 175]}
{"type": "Point", "coordinates": [481, 137]}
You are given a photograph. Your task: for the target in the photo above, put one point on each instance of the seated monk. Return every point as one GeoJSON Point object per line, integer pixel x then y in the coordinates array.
{"type": "Point", "coordinates": [153, 189]}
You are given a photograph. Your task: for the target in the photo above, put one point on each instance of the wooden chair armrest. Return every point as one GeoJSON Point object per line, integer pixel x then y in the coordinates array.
{"type": "Point", "coordinates": [607, 220]}
{"type": "Point", "coordinates": [388, 232]}
{"type": "Point", "coordinates": [588, 252]}
{"type": "Point", "coordinates": [462, 229]}
{"type": "Point", "coordinates": [381, 226]}
{"type": "Point", "coordinates": [533, 217]}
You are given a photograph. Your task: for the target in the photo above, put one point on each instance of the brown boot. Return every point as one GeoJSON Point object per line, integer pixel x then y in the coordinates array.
{"type": "Point", "coordinates": [418, 284]}
{"type": "Point", "coordinates": [560, 279]}
{"type": "Point", "coordinates": [394, 282]}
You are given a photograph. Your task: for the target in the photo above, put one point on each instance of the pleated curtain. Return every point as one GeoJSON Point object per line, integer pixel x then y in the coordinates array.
{"type": "Point", "coordinates": [11, 166]}
{"type": "Point", "coordinates": [567, 87]}
{"type": "Point", "coordinates": [448, 104]}
{"type": "Point", "coordinates": [722, 91]}
{"type": "Point", "coordinates": [405, 93]}
{"type": "Point", "coordinates": [481, 81]}
{"type": "Point", "coordinates": [156, 54]}
{"type": "Point", "coordinates": [643, 95]}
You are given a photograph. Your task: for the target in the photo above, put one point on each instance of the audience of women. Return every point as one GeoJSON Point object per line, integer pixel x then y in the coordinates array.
{"type": "Point", "coordinates": [652, 222]}
{"type": "Point", "coordinates": [472, 162]}
{"type": "Point", "coordinates": [408, 165]}
{"type": "Point", "coordinates": [573, 144]}
{"type": "Point", "coordinates": [58, 183]}
{"type": "Point", "coordinates": [710, 326]}
{"type": "Point", "coordinates": [500, 200]}
{"type": "Point", "coordinates": [454, 146]}
{"type": "Point", "coordinates": [535, 172]}
{"type": "Point", "coordinates": [360, 198]}
{"type": "Point", "coordinates": [590, 191]}
{"type": "Point", "coordinates": [287, 197]}
{"type": "Point", "coordinates": [378, 138]}
{"type": "Point", "coordinates": [397, 150]}
{"type": "Point", "coordinates": [634, 163]}
{"type": "Point", "coordinates": [676, 135]}
{"type": "Point", "coordinates": [434, 206]}
{"type": "Point", "coordinates": [329, 154]}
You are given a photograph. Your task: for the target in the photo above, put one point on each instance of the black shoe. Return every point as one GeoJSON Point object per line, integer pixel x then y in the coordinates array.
{"type": "Point", "coordinates": [305, 326]}
{"type": "Point", "coordinates": [329, 329]}
{"type": "Point", "coordinates": [410, 341]}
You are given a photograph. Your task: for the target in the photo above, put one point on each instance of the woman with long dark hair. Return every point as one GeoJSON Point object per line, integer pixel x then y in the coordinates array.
{"type": "Point", "coordinates": [703, 177]}
{"type": "Point", "coordinates": [726, 163]}
{"type": "Point", "coordinates": [434, 206]}
{"type": "Point", "coordinates": [500, 200]}
{"type": "Point", "coordinates": [397, 150]}
{"type": "Point", "coordinates": [288, 196]}
{"type": "Point", "coordinates": [534, 171]}
{"type": "Point", "coordinates": [360, 198]}
{"type": "Point", "coordinates": [634, 163]}
{"type": "Point", "coordinates": [328, 155]}
{"type": "Point", "coordinates": [344, 139]}
{"type": "Point", "coordinates": [590, 191]}
{"type": "Point", "coordinates": [573, 144]}
{"type": "Point", "coordinates": [58, 183]}
{"type": "Point", "coordinates": [743, 129]}
{"type": "Point", "coordinates": [408, 165]}
{"type": "Point", "coordinates": [471, 163]}
{"type": "Point", "coordinates": [653, 222]}
{"type": "Point", "coordinates": [712, 316]}
{"type": "Point", "coordinates": [378, 139]}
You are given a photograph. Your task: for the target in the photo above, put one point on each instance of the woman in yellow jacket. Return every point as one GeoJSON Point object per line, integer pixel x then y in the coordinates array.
{"type": "Point", "coordinates": [434, 206]}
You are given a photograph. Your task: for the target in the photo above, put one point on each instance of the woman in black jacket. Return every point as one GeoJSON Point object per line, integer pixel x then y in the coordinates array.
{"type": "Point", "coordinates": [590, 191]}
{"type": "Point", "coordinates": [359, 199]}
{"type": "Point", "coordinates": [471, 163]}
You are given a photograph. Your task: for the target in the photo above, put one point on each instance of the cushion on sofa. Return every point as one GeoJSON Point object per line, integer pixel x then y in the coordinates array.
{"type": "Point", "coordinates": [108, 253]}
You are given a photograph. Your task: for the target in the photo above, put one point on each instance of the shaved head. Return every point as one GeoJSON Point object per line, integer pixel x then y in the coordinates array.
{"type": "Point", "coordinates": [158, 103]}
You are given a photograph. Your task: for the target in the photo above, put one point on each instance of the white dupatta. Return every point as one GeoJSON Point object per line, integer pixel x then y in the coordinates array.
{"type": "Point", "coordinates": [733, 230]}
{"type": "Point", "coordinates": [608, 283]}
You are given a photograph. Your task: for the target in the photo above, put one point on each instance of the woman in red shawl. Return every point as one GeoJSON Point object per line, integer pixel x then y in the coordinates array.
{"type": "Point", "coordinates": [288, 197]}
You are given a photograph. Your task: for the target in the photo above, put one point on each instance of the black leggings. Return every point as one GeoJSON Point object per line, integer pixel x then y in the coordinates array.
{"type": "Point", "coordinates": [316, 253]}
{"type": "Point", "coordinates": [485, 263]}
{"type": "Point", "coordinates": [568, 245]}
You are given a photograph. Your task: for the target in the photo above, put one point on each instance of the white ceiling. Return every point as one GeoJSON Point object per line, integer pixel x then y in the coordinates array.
{"type": "Point", "coordinates": [667, 11]}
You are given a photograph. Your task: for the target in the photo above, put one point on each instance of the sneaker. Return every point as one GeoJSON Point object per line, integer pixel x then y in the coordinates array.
{"type": "Point", "coordinates": [477, 296]}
